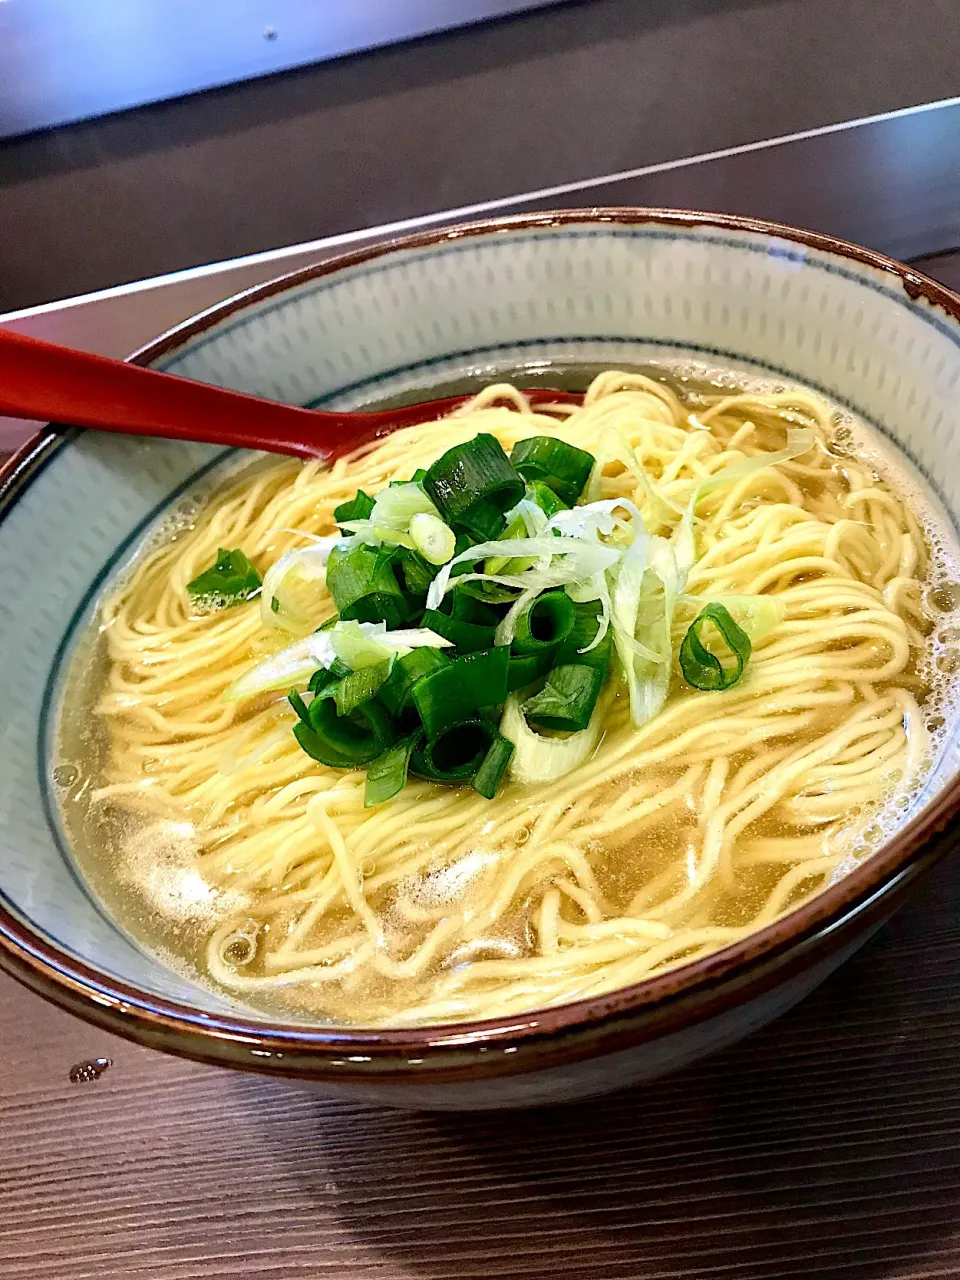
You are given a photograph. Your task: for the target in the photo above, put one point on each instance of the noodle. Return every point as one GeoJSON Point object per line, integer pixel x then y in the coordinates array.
{"type": "Point", "coordinates": [719, 814]}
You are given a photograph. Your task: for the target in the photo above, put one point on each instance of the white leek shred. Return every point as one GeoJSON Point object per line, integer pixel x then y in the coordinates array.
{"type": "Point", "coordinates": [756, 615]}
{"type": "Point", "coordinates": [364, 644]}
{"type": "Point", "coordinates": [396, 505]}
{"type": "Point", "coordinates": [394, 508]}
{"type": "Point", "coordinates": [799, 440]}
{"type": "Point", "coordinates": [507, 627]}
{"type": "Point", "coordinates": [533, 517]}
{"type": "Point", "coordinates": [558, 561]}
{"type": "Point", "coordinates": [649, 680]}
{"type": "Point", "coordinates": [284, 669]}
{"type": "Point", "coordinates": [644, 600]}
{"type": "Point", "coordinates": [596, 518]}
{"type": "Point", "coordinates": [358, 644]}
{"type": "Point", "coordinates": [303, 563]}
{"type": "Point", "coordinates": [539, 759]}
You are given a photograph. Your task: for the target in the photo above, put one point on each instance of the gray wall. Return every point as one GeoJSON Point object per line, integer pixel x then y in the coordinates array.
{"type": "Point", "coordinates": [567, 93]}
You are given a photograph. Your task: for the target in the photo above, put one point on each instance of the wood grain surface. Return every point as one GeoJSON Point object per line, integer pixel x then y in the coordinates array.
{"type": "Point", "coordinates": [827, 1145]}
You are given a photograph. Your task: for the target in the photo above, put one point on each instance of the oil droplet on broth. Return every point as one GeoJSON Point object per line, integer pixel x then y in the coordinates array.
{"type": "Point", "coordinates": [945, 597]}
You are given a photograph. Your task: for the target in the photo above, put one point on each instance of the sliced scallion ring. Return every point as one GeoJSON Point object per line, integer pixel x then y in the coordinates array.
{"type": "Point", "coordinates": [703, 669]}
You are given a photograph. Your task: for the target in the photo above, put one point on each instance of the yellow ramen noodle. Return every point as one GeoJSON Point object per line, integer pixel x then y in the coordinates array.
{"type": "Point", "coordinates": [672, 840]}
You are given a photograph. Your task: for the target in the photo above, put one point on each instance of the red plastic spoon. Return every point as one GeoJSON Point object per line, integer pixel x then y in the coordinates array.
{"type": "Point", "coordinates": [49, 383]}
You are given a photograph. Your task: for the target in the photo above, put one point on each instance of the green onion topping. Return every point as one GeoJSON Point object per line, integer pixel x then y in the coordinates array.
{"type": "Point", "coordinates": [545, 498]}
{"type": "Point", "coordinates": [413, 666]}
{"type": "Point", "coordinates": [359, 507]}
{"type": "Point", "coordinates": [359, 687]}
{"type": "Point", "coordinates": [545, 623]}
{"type": "Point", "coordinates": [388, 773]}
{"type": "Point", "coordinates": [526, 642]}
{"type": "Point", "coordinates": [567, 700]}
{"type": "Point", "coordinates": [561, 467]}
{"type": "Point", "coordinates": [473, 484]}
{"type": "Point", "coordinates": [364, 586]}
{"type": "Point", "coordinates": [460, 689]}
{"type": "Point", "coordinates": [343, 742]}
{"type": "Point", "coordinates": [467, 636]}
{"type": "Point", "coordinates": [703, 669]}
{"type": "Point", "coordinates": [488, 777]}
{"type": "Point", "coordinates": [524, 669]}
{"type": "Point", "coordinates": [231, 580]}
{"type": "Point", "coordinates": [456, 752]}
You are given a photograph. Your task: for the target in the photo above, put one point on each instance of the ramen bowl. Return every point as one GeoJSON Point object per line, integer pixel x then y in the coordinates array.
{"type": "Point", "coordinates": [583, 288]}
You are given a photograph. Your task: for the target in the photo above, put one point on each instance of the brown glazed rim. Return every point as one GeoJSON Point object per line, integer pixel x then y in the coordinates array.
{"type": "Point", "coordinates": [648, 1009]}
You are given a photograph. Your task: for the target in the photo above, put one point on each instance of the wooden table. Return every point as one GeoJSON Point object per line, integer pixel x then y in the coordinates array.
{"type": "Point", "coordinates": [827, 1145]}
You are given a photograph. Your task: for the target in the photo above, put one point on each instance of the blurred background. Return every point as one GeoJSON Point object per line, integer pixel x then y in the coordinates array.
{"type": "Point", "coordinates": [323, 116]}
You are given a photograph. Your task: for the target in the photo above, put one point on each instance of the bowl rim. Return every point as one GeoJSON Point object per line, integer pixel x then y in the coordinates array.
{"type": "Point", "coordinates": [319, 1051]}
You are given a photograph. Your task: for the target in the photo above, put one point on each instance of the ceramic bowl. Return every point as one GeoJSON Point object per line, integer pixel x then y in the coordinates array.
{"type": "Point", "coordinates": [594, 286]}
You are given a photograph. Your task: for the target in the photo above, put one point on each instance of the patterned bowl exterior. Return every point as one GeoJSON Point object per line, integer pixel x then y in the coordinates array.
{"type": "Point", "coordinates": [611, 287]}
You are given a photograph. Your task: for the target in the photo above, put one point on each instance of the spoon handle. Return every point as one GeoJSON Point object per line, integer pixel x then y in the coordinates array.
{"type": "Point", "coordinates": [50, 383]}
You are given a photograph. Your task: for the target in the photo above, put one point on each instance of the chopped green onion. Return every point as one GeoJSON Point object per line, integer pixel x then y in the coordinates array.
{"type": "Point", "coordinates": [460, 689]}
{"type": "Point", "coordinates": [545, 498]}
{"type": "Point", "coordinates": [358, 507]}
{"type": "Point", "coordinates": [483, 521]}
{"type": "Point", "coordinates": [299, 706]}
{"type": "Point", "coordinates": [567, 700]}
{"type": "Point", "coordinates": [700, 667]}
{"type": "Point", "coordinates": [562, 467]}
{"type": "Point", "coordinates": [486, 592]}
{"type": "Point", "coordinates": [523, 670]}
{"type": "Point", "coordinates": [358, 687]}
{"type": "Point", "coordinates": [343, 742]}
{"type": "Point", "coordinates": [545, 623]}
{"type": "Point", "coordinates": [467, 636]}
{"type": "Point", "coordinates": [468, 608]}
{"type": "Point", "coordinates": [581, 645]}
{"type": "Point", "coordinates": [326, 676]}
{"type": "Point", "coordinates": [388, 773]}
{"type": "Point", "coordinates": [488, 777]}
{"type": "Point", "coordinates": [413, 666]}
{"type": "Point", "coordinates": [417, 573]}
{"type": "Point", "coordinates": [455, 752]}
{"type": "Point", "coordinates": [364, 587]}
{"type": "Point", "coordinates": [434, 540]}
{"type": "Point", "coordinates": [473, 484]}
{"type": "Point", "coordinates": [231, 580]}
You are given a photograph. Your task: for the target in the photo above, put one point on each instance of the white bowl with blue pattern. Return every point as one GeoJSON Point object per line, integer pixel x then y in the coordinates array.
{"type": "Point", "coordinates": [581, 288]}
